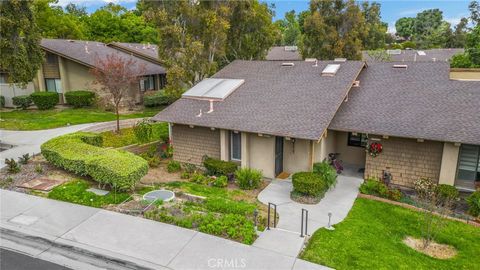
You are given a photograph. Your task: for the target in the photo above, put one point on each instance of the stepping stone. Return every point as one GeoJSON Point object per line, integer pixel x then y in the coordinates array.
{"type": "Point", "coordinates": [42, 184]}
{"type": "Point", "coordinates": [99, 192]}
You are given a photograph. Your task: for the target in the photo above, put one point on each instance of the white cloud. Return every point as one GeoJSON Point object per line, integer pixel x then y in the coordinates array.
{"type": "Point", "coordinates": [407, 12]}
{"type": "Point", "coordinates": [453, 21]}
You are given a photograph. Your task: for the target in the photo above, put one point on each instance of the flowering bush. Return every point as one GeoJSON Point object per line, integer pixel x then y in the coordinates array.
{"type": "Point", "coordinates": [375, 148]}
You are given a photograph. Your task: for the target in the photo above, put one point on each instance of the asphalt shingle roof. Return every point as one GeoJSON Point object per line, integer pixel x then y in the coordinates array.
{"type": "Point", "coordinates": [87, 51]}
{"type": "Point", "coordinates": [287, 101]}
{"type": "Point", "coordinates": [279, 53]}
{"type": "Point", "coordinates": [147, 50]}
{"type": "Point", "coordinates": [431, 55]}
{"type": "Point", "coordinates": [418, 102]}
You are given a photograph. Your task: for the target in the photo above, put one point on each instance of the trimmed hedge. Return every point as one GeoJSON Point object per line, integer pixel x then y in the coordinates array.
{"type": "Point", "coordinates": [81, 153]}
{"type": "Point", "coordinates": [22, 101]}
{"type": "Point", "coordinates": [219, 167]}
{"type": "Point", "coordinates": [45, 100]}
{"type": "Point", "coordinates": [2, 101]}
{"type": "Point", "coordinates": [158, 98]}
{"type": "Point", "coordinates": [80, 98]}
{"type": "Point", "coordinates": [309, 184]}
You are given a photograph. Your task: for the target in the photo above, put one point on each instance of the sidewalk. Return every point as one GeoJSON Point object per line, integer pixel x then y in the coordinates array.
{"type": "Point", "coordinates": [338, 201]}
{"type": "Point", "coordinates": [147, 243]}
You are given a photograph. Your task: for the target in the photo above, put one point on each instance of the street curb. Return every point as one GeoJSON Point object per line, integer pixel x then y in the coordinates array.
{"type": "Point", "coordinates": [115, 260]}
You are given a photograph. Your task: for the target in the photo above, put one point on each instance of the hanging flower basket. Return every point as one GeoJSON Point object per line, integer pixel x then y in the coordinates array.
{"type": "Point", "coordinates": [374, 149]}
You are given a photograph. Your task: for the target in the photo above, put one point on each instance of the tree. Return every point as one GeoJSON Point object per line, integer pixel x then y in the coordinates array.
{"type": "Point", "coordinates": [376, 29]}
{"type": "Point", "coordinates": [53, 22]}
{"type": "Point", "coordinates": [117, 76]}
{"type": "Point", "coordinates": [427, 23]}
{"type": "Point", "coordinates": [405, 27]}
{"type": "Point", "coordinates": [474, 8]}
{"type": "Point", "coordinates": [460, 34]}
{"type": "Point", "coordinates": [251, 32]}
{"type": "Point", "coordinates": [334, 28]}
{"type": "Point", "coordinates": [20, 52]}
{"type": "Point", "coordinates": [290, 29]}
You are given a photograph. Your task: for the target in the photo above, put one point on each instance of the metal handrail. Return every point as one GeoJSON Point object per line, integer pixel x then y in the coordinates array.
{"type": "Point", "coordinates": [274, 215]}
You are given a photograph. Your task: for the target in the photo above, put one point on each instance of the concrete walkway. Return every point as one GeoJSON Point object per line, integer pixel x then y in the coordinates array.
{"type": "Point", "coordinates": [338, 201]}
{"type": "Point", "coordinates": [144, 242]}
{"type": "Point", "coordinates": [30, 141]}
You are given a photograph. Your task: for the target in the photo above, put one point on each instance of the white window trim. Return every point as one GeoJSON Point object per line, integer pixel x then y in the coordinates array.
{"type": "Point", "coordinates": [231, 146]}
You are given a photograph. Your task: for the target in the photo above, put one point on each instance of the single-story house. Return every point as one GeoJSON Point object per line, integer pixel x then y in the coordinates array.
{"type": "Point", "coordinates": [412, 55]}
{"type": "Point", "coordinates": [147, 51]}
{"type": "Point", "coordinates": [283, 53]}
{"type": "Point", "coordinates": [285, 116]}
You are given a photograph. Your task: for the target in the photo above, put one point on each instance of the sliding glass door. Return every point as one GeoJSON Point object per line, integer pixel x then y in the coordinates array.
{"type": "Point", "coordinates": [468, 166]}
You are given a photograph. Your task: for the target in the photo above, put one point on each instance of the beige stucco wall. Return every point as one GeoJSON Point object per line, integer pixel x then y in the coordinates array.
{"type": "Point", "coordinates": [326, 145]}
{"type": "Point", "coordinates": [191, 144]}
{"type": "Point", "coordinates": [349, 154]}
{"type": "Point", "coordinates": [448, 169]}
{"type": "Point", "coordinates": [262, 154]}
{"type": "Point", "coordinates": [407, 160]}
{"type": "Point", "coordinates": [78, 76]}
{"type": "Point", "coordinates": [296, 156]}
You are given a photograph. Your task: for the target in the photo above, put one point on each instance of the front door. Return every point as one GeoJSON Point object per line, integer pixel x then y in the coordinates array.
{"type": "Point", "coordinates": [278, 155]}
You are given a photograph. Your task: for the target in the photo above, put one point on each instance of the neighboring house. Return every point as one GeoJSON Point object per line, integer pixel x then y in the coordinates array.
{"type": "Point", "coordinates": [430, 55]}
{"type": "Point", "coordinates": [283, 117]}
{"type": "Point", "coordinates": [68, 63]}
{"type": "Point", "coordinates": [283, 53]}
{"type": "Point", "coordinates": [147, 51]}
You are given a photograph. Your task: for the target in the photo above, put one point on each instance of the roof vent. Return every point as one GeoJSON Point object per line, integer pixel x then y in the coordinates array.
{"type": "Point", "coordinates": [291, 48]}
{"type": "Point", "coordinates": [71, 40]}
{"type": "Point", "coordinates": [340, 60]}
{"type": "Point", "coordinates": [356, 84]}
{"type": "Point", "coordinates": [421, 53]}
{"type": "Point", "coordinates": [310, 59]}
{"type": "Point", "coordinates": [288, 64]}
{"type": "Point", "coordinates": [330, 70]}
{"type": "Point", "coordinates": [400, 66]}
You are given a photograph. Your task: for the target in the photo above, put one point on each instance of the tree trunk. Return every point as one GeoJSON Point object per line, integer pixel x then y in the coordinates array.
{"type": "Point", "coordinates": [118, 118]}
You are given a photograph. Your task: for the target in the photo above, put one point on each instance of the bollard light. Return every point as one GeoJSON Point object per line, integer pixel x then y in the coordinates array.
{"type": "Point", "coordinates": [329, 227]}
{"type": "Point", "coordinates": [255, 216]}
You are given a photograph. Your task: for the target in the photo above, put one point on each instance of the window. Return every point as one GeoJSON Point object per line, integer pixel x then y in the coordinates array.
{"type": "Point", "coordinates": [236, 146]}
{"type": "Point", "coordinates": [468, 166]}
{"type": "Point", "coordinates": [3, 78]}
{"type": "Point", "coordinates": [53, 85]}
{"type": "Point", "coordinates": [359, 140]}
{"type": "Point", "coordinates": [147, 83]}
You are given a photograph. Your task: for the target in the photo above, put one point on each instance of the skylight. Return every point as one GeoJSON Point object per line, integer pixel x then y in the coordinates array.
{"type": "Point", "coordinates": [330, 70]}
{"type": "Point", "coordinates": [397, 51]}
{"type": "Point", "coordinates": [422, 53]}
{"type": "Point", "coordinates": [213, 89]}
{"type": "Point", "coordinates": [291, 48]}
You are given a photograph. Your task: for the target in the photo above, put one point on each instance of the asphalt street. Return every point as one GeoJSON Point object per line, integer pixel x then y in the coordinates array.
{"type": "Point", "coordinates": [10, 260]}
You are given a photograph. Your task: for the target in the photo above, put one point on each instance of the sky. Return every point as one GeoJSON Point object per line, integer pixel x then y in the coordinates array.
{"type": "Point", "coordinates": [392, 10]}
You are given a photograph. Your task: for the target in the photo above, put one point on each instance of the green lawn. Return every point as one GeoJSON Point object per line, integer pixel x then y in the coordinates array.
{"type": "Point", "coordinates": [127, 137]}
{"type": "Point", "coordinates": [371, 238]}
{"type": "Point", "coordinates": [35, 119]}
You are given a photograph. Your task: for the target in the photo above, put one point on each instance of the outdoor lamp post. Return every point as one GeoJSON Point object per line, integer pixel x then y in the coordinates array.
{"type": "Point", "coordinates": [255, 215]}
{"type": "Point", "coordinates": [329, 227]}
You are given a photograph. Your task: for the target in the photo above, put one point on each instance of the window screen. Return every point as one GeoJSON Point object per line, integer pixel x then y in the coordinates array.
{"type": "Point", "coordinates": [469, 162]}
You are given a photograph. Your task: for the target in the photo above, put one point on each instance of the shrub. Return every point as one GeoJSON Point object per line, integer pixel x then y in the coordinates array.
{"type": "Point", "coordinates": [80, 98]}
{"type": "Point", "coordinates": [12, 165]}
{"type": "Point", "coordinates": [309, 184]}
{"type": "Point", "coordinates": [38, 168]}
{"type": "Point", "coordinates": [143, 131]}
{"type": "Point", "coordinates": [474, 203]}
{"type": "Point", "coordinates": [220, 181]}
{"type": "Point", "coordinates": [375, 187]}
{"type": "Point", "coordinates": [157, 98]}
{"type": "Point", "coordinates": [44, 100]}
{"type": "Point", "coordinates": [446, 193]}
{"type": "Point", "coordinates": [2, 101]}
{"type": "Point", "coordinates": [199, 178]}
{"type": "Point", "coordinates": [189, 168]}
{"type": "Point", "coordinates": [154, 161]}
{"type": "Point", "coordinates": [81, 153]}
{"type": "Point", "coordinates": [248, 178]}
{"type": "Point", "coordinates": [327, 172]}
{"type": "Point", "coordinates": [185, 175]}
{"type": "Point", "coordinates": [22, 101]}
{"type": "Point", "coordinates": [173, 166]}
{"type": "Point", "coordinates": [219, 167]}
{"type": "Point", "coordinates": [24, 158]}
